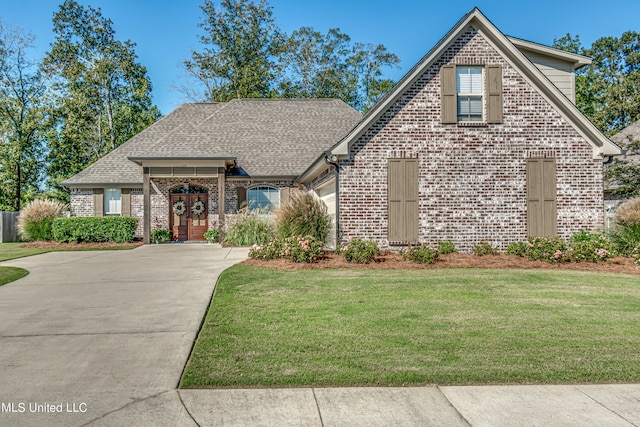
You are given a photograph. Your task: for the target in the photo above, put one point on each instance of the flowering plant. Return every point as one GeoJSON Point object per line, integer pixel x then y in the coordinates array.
{"type": "Point", "coordinates": [590, 247]}
{"type": "Point", "coordinates": [296, 249]}
{"type": "Point", "coordinates": [550, 249]}
{"type": "Point", "coordinates": [359, 251]}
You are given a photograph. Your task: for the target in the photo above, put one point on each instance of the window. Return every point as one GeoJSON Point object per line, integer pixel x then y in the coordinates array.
{"type": "Point", "coordinates": [112, 201]}
{"type": "Point", "coordinates": [469, 93]}
{"type": "Point", "coordinates": [266, 198]}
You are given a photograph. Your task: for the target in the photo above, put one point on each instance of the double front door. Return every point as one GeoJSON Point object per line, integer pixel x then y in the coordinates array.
{"type": "Point", "coordinates": [188, 216]}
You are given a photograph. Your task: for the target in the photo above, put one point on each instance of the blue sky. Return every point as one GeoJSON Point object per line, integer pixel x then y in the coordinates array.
{"type": "Point", "coordinates": [166, 30]}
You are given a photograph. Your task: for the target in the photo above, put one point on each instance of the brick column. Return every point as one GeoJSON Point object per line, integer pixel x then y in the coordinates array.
{"type": "Point", "coordinates": [221, 183]}
{"type": "Point", "coordinates": [146, 220]}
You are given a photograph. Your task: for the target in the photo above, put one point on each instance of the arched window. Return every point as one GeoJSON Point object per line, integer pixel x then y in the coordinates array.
{"type": "Point", "coordinates": [264, 198]}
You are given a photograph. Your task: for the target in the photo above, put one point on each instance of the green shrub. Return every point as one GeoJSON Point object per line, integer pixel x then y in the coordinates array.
{"type": "Point", "coordinates": [517, 248]}
{"type": "Point", "coordinates": [625, 237]}
{"type": "Point", "coordinates": [211, 236]}
{"type": "Point", "coordinates": [297, 249]}
{"type": "Point", "coordinates": [447, 247]}
{"type": "Point", "coordinates": [484, 248]}
{"type": "Point", "coordinates": [420, 254]}
{"type": "Point", "coordinates": [550, 249]}
{"type": "Point", "coordinates": [35, 219]}
{"type": "Point", "coordinates": [251, 227]}
{"type": "Point", "coordinates": [119, 229]}
{"type": "Point", "coordinates": [585, 246]}
{"type": "Point", "coordinates": [359, 251]}
{"type": "Point", "coordinates": [303, 215]}
{"type": "Point", "coordinates": [37, 230]}
{"type": "Point", "coordinates": [160, 235]}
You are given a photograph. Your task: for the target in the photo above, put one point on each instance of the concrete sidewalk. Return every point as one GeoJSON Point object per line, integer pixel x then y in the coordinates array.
{"type": "Point", "coordinates": [590, 405]}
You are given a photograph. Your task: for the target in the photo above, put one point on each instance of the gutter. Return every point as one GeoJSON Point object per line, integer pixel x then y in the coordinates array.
{"type": "Point", "coordinates": [332, 159]}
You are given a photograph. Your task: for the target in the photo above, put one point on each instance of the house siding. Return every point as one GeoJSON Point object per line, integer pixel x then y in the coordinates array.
{"type": "Point", "coordinates": [472, 180]}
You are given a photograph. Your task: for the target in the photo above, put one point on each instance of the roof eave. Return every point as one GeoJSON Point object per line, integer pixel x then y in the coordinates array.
{"type": "Point", "coordinates": [101, 184]}
{"type": "Point", "coordinates": [315, 167]}
{"type": "Point", "coordinates": [577, 60]}
{"type": "Point", "coordinates": [140, 159]}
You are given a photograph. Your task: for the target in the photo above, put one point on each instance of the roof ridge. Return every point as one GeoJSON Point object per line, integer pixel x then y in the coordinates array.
{"type": "Point", "coordinates": [282, 100]}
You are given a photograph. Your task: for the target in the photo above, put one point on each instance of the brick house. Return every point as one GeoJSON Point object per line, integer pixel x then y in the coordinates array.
{"type": "Point", "coordinates": [211, 157]}
{"type": "Point", "coordinates": [481, 140]}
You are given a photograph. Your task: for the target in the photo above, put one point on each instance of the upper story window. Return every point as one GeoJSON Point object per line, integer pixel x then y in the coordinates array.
{"type": "Point", "coordinates": [469, 90]}
{"type": "Point", "coordinates": [263, 198]}
{"type": "Point", "coordinates": [471, 94]}
{"type": "Point", "coordinates": [112, 201]}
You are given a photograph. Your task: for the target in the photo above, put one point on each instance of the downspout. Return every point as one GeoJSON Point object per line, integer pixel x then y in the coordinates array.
{"type": "Point", "coordinates": [332, 159]}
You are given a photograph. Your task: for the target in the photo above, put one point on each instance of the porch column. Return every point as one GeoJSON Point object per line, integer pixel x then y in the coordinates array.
{"type": "Point", "coordinates": [221, 182]}
{"type": "Point", "coordinates": [146, 220]}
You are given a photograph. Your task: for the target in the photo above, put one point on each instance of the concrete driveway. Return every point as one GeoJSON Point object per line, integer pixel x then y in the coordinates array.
{"type": "Point", "coordinates": [101, 336]}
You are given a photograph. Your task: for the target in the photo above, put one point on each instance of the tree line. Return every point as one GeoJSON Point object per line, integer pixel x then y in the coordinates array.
{"type": "Point", "coordinates": [59, 114]}
{"type": "Point", "coordinates": [89, 94]}
{"type": "Point", "coordinates": [608, 93]}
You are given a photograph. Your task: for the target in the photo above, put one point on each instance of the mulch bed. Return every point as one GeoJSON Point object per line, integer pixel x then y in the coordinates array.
{"type": "Point", "coordinates": [70, 246]}
{"type": "Point", "coordinates": [391, 261]}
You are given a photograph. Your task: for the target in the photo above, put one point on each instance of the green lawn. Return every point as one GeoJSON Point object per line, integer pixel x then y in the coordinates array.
{"type": "Point", "coordinates": [13, 250]}
{"type": "Point", "coordinates": [272, 328]}
{"type": "Point", "coordinates": [9, 274]}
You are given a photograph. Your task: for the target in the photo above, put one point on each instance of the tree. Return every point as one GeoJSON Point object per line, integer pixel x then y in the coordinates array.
{"type": "Point", "coordinates": [239, 58]}
{"type": "Point", "coordinates": [247, 56]}
{"type": "Point", "coordinates": [331, 66]}
{"type": "Point", "coordinates": [606, 90]}
{"type": "Point", "coordinates": [24, 119]}
{"type": "Point", "coordinates": [607, 93]}
{"type": "Point", "coordinates": [103, 92]}
{"type": "Point", "coordinates": [316, 66]}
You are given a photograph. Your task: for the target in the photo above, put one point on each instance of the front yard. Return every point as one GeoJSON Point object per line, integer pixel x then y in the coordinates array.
{"type": "Point", "coordinates": [271, 328]}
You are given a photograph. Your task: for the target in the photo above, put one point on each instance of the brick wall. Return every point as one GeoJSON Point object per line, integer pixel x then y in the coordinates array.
{"type": "Point", "coordinates": [81, 202]}
{"type": "Point", "coordinates": [137, 210]}
{"type": "Point", "coordinates": [472, 180]}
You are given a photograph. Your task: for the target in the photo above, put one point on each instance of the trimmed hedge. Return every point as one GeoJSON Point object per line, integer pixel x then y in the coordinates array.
{"type": "Point", "coordinates": [119, 229]}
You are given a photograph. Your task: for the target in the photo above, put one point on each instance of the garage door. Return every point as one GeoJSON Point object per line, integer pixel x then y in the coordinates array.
{"type": "Point", "coordinates": [327, 194]}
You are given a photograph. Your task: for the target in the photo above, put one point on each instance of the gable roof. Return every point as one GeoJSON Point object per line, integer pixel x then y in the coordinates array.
{"type": "Point", "coordinates": [601, 145]}
{"type": "Point", "coordinates": [266, 138]}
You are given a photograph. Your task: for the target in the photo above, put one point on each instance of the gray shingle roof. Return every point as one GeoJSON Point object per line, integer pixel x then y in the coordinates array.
{"type": "Point", "coordinates": [268, 137]}
{"type": "Point", "coordinates": [623, 138]}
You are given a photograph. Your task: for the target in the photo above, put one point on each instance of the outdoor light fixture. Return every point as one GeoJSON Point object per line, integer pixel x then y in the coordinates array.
{"type": "Point", "coordinates": [185, 185]}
